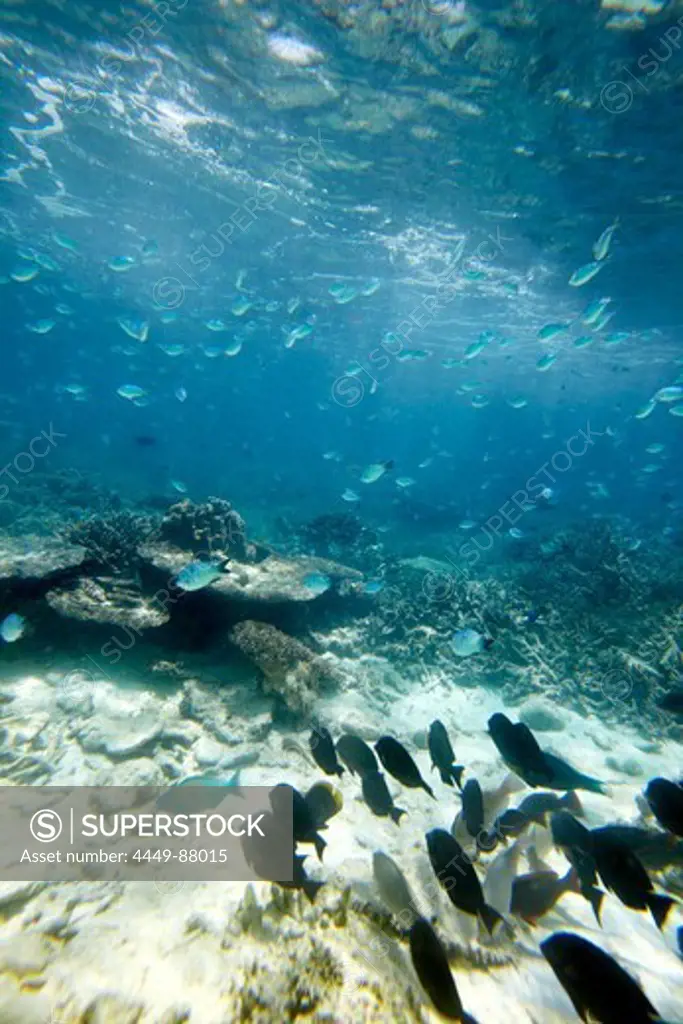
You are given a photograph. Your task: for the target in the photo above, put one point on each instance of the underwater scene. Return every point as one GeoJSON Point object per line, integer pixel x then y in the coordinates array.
{"type": "Point", "coordinates": [341, 454]}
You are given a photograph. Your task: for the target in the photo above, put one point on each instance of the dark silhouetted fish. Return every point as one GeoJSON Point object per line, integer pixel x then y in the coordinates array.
{"type": "Point", "coordinates": [324, 754]}
{"type": "Point", "coordinates": [473, 808]}
{"type": "Point", "coordinates": [145, 440]}
{"type": "Point", "coordinates": [672, 702]}
{"type": "Point", "coordinates": [305, 826]}
{"type": "Point", "coordinates": [431, 966]}
{"type": "Point", "coordinates": [400, 764]}
{"type": "Point", "coordinates": [356, 755]}
{"type": "Point", "coordinates": [378, 798]}
{"type": "Point", "coordinates": [510, 824]}
{"type": "Point", "coordinates": [666, 802]}
{"type": "Point", "coordinates": [624, 875]}
{"type": "Point", "coordinates": [534, 894]}
{"type": "Point", "coordinates": [517, 746]}
{"type": "Point", "coordinates": [600, 989]}
{"type": "Point", "coordinates": [576, 842]}
{"type": "Point", "coordinates": [455, 872]}
{"type": "Point", "coordinates": [442, 755]}
{"type": "Point", "coordinates": [258, 851]}
{"type": "Point", "coordinates": [300, 880]}
{"type": "Point", "coordinates": [563, 776]}
{"type": "Point", "coordinates": [656, 850]}
{"type": "Point", "coordinates": [537, 806]}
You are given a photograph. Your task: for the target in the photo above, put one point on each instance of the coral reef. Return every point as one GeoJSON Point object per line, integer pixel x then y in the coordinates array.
{"type": "Point", "coordinates": [37, 558]}
{"type": "Point", "coordinates": [274, 579]}
{"type": "Point", "coordinates": [290, 669]}
{"type": "Point", "coordinates": [108, 599]}
{"type": "Point", "coordinates": [337, 533]}
{"type": "Point", "coordinates": [212, 526]}
{"type": "Point", "coordinates": [111, 539]}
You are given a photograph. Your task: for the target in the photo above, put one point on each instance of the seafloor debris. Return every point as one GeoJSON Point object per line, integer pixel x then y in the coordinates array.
{"type": "Point", "coordinates": [290, 669]}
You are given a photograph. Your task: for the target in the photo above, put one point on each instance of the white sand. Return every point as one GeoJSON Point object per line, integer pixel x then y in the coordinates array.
{"type": "Point", "coordinates": [164, 949]}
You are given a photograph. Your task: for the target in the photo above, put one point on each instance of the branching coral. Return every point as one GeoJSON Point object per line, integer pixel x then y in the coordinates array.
{"type": "Point", "coordinates": [112, 540]}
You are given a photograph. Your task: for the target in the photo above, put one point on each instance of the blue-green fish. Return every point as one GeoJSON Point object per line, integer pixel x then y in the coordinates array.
{"type": "Point", "coordinates": [65, 243]}
{"type": "Point", "coordinates": [46, 262]}
{"type": "Point", "coordinates": [671, 394]}
{"type": "Point", "coordinates": [603, 320]}
{"type": "Point", "coordinates": [317, 582]}
{"type": "Point", "coordinates": [41, 326]}
{"type": "Point", "coordinates": [466, 642]}
{"type": "Point", "coordinates": [371, 287]}
{"type": "Point", "coordinates": [373, 586]}
{"type": "Point", "coordinates": [601, 246]}
{"type": "Point", "coordinates": [583, 341]}
{"type": "Point", "coordinates": [545, 362]}
{"type": "Point", "coordinates": [131, 391]}
{"type": "Point", "coordinates": [240, 306]}
{"type": "Point", "coordinates": [412, 355]}
{"type": "Point", "coordinates": [343, 294]}
{"type": "Point", "coordinates": [616, 337]}
{"type": "Point", "coordinates": [594, 311]}
{"type": "Point", "coordinates": [197, 575]}
{"type": "Point", "coordinates": [12, 628]}
{"type": "Point", "coordinates": [120, 264]}
{"type": "Point", "coordinates": [375, 471]}
{"type": "Point", "coordinates": [24, 274]}
{"type": "Point", "coordinates": [550, 331]}
{"type": "Point", "coordinates": [474, 349]}
{"type": "Point", "coordinates": [645, 410]}
{"type": "Point", "coordinates": [585, 274]}
{"type": "Point", "coordinates": [138, 329]}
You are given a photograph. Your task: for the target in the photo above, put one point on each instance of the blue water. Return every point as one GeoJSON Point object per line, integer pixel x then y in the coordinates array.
{"type": "Point", "coordinates": [250, 251]}
{"type": "Point", "coordinates": [146, 150]}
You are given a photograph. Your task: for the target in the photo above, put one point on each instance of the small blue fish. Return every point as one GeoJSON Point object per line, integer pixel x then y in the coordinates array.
{"type": "Point", "coordinates": [41, 326]}
{"type": "Point", "coordinates": [550, 331]}
{"type": "Point", "coordinates": [373, 586]}
{"type": "Point", "coordinates": [233, 348]}
{"type": "Point", "coordinates": [12, 628]}
{"type": "Point", "coordinates": [317, 582]}
{"type": "Point", "coordinates": [134, 327]}
{"type": "Point", "coordinates": [197, 575]}
{"type": "Point", "coordinates": [585, 274]}
{"type": "Point", "coordinates": [673, 393]}
{"type": "Point", "coordinates": [466, 642]}
{"type": "Point", "coordinates": [131, 392]}
{"type": "Point", "coordinates": [120, 264]}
